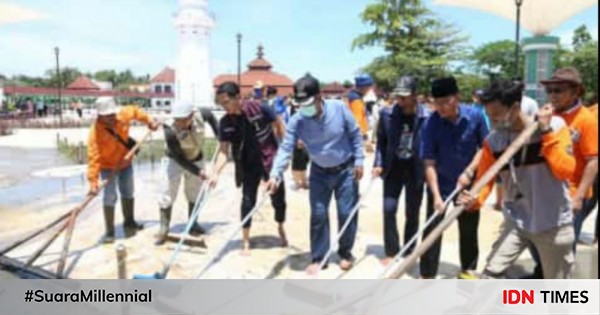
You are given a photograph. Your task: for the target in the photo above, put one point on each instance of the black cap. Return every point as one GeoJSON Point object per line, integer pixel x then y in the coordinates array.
{"type": "Point", "coordinates": [444, 87]}
{"type": "Point", "coordinates": [406, 86]}
{"type": "Point", "coordinates": [305, 89]}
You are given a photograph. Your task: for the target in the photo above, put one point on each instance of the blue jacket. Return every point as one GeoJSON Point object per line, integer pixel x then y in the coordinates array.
{"type": "Point", "coordinates": [388, 137]}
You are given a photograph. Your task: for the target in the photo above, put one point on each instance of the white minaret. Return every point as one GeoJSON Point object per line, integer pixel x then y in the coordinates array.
{"type": "Point", "coordinates": [193, 78]}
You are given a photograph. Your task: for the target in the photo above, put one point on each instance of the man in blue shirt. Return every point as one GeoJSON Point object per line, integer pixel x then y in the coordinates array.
{"type": "Point", "coordinates": [450, 146]}
{"type": "Point", "coordinates": [398, 162]}
{"type": "Point", "coordinates": [334, 143]}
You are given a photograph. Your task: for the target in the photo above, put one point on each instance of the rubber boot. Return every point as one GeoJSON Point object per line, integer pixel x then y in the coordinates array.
{"type": "Point", "coordinates": [196, 228]}
{"type": "Point", "coordinates": [129, 225]}
{"type": "Point", "coordinates": [109, 225]}
{"type": "Point", "coordinates": [165, 220]}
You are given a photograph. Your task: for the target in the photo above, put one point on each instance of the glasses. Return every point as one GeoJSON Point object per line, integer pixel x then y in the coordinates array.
{"type": "Point", "coordinates": [555, 90]}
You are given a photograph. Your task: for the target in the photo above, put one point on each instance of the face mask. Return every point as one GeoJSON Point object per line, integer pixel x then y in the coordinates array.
{"type": "Point", "coordinates": [308, 111]}
{"type": "Point", "coordinates": [505, 123]}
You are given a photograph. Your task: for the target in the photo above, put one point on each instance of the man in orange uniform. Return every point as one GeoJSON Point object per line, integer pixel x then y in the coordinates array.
{"type": "Point", "coordinates": [565, 89]}
{"type": "Point", "coordinates": [537, 208]}
{"type": "Point", "coordinates": [108, 143]}
{"type": "Point", "coordinates": [363, 83]}
{"type": "Point", "coordinates": [594, 200]}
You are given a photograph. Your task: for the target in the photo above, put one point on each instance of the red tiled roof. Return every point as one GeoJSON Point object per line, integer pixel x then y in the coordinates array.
{"type": "Point", "coordinates": [259, 69]}
{"type": "Point", "coordinates": [83, 83]}
{"type": "Point", "coordinates": [260, 64]}
{"type": "Point", "coordinates": [20, 90]}
{"type": "Point", "coordinates": [167, 75]}
{"type": "Point", "coordinates": [334, 88]}
{"type": "Point", "coordinates": [283, 83]}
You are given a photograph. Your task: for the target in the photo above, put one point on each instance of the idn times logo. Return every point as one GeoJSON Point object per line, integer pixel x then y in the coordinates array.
{"type": "Point", "coordinates": [512, 297]}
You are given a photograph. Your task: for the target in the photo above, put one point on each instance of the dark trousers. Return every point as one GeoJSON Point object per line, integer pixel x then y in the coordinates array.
{"type": "Point", "coordinates": [588, 207]}
{"type": "Point", "coordinates": [468, 222]}
{"type": "Point", "coordinates": [324, 185]}
{"type": "Point", "coordinates": [397, 179]}
{"type": "Point", "coordinates": [250, 185]}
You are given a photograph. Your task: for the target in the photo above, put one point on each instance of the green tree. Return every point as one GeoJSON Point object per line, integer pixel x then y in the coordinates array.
{"type": "Point", "coordinates": [469, 83]}
{"type": "Point", "coordinates": [581, 37]}
{"type": "Point", "coordinates": [23, 80]}
{"type": "Point", "coordinates": [497, 59]}
{"type": "Point", "coordinates": [125, 77]}
{"type": "Point", "coordinates": [106, 76]}
{"type": "Point", "coordinates": [585, 59]}
{"type": "Point", "coordinates": [416, 42]}
{"type": "Point", "coordinates": [67, 75]}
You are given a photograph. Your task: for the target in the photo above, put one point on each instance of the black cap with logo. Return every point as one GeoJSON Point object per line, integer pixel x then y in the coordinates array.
{"type": "Point", "coordinates": [305, 90]}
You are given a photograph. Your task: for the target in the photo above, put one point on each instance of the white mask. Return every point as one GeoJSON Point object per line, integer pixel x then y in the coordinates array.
{"type": "Point", "coordinates": [308, 110]}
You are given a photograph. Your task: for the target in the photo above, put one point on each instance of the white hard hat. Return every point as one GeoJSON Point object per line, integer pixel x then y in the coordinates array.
{"type": "Point", "coordinates": [106, 105]}
{"type": "Point", "coordinates": [182, 109]}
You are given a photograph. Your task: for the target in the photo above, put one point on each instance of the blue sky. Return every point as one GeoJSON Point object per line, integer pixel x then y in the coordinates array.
{"type": "Point", "coordinates": [298, 35]}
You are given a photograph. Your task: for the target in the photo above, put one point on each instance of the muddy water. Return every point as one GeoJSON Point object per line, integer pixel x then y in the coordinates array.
{"type": "Point", "coordinates": [17, 164]}
{"type": "Point", "coordinates": [28, 196]}
{"type": "Point", "coordinates": [20, 188]}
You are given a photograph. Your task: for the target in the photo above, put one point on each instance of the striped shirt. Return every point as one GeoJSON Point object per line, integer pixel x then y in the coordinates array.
{"type": "Point", "coordinates": [536, 189]}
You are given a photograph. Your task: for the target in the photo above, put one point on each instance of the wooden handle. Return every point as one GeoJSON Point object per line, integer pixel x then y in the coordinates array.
{"type": "Point", "coordinates": [74, 214]}
{"type": "Point", "coordinates": [489, 175]}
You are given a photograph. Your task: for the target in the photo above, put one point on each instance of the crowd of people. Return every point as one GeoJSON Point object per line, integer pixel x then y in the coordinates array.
{"type": "Point", "coordinates": [433, 149]}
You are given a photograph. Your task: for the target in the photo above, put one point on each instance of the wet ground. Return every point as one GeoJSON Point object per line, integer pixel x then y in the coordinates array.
{"type": "Point", "coordinates": [28, 201]}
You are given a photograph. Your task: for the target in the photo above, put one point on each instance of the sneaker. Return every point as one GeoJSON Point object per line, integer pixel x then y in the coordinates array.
{"type": "Point", "coordinates": [466, 275]}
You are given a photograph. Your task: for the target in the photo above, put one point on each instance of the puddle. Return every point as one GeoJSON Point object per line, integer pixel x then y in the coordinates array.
{"type": "Point", "coordinates": [33, 178]}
